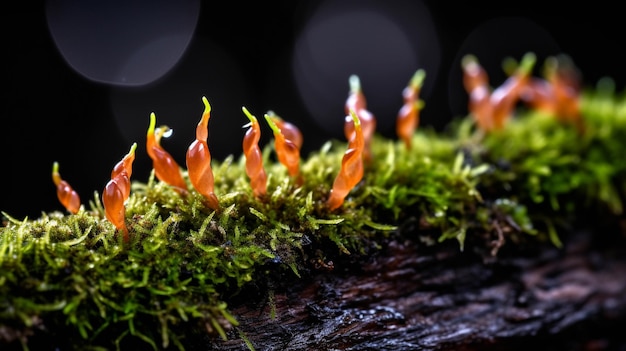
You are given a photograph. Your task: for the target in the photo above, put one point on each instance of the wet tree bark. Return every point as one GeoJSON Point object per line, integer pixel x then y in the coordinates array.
{"type": "Point", "coordinates": [415, 298]}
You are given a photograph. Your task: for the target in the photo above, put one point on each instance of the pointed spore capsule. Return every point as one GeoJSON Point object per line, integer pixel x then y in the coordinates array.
{"type": "Point", "coordinates": [117, 191]}
{"type": "Point", "coordinates": [351, 171]}
{"type": "Point", "coordinates": [198, 160]}
{"type": "Point", "coordinates": [254, 158]}
{"type": "Point", "coordinates": [165, 167]}
{"type": "Point", "coordinates": [66, 194]}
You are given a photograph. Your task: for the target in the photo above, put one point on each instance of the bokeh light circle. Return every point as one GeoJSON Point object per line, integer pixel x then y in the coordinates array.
{"type": "Point", "coordinates": [122, 42]}
{"type": "Point", "coordinates": [382, 44]}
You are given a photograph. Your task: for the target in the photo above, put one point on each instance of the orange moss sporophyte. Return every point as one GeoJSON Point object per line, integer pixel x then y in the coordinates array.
{"type": "Point", "coordinates": [408, 116]}
{"type": "Point", "coordinates": [351, 171]}
{"type": "Point", "coordinates": [557, 94]}
{"type": "Point", "coordinates": [254, 158]}
{"type": "Point", "coordinates": [491, 109]}
{"type": "Point", "coordinates": [289, 130]}
{"type": "Point", "coordinates": [67, 195]}
{"type": "Point", "coordinates": [117, 191]}
{"type": "Point", "coordinates": [198, 160]}
{"type": "Point", "coordinates": [165, 167]}
{"type": "Point", "coordinates": [476, 84]}
{"type": "Point", "coordinates": [287, 151]}
{"type": "Point", "coordinates": [356, 102]}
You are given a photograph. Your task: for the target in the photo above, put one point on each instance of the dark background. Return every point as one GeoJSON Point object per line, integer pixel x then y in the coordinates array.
{"type": "Point", "coordinates": [242, 54]}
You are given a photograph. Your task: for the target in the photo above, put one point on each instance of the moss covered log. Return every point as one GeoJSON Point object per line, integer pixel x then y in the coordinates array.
{"type": "Point", "coordinates": [74, 274]}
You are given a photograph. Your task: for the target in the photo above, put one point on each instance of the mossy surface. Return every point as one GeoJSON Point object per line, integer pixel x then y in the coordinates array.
{"type": "Point", "coordinates": [74, 275]}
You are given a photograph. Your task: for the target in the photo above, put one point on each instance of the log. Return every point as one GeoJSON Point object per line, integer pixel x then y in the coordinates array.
{"type": "Point", "coordinates": [411, 297]}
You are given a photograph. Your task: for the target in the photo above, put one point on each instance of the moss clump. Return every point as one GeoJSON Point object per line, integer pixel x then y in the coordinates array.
{"type": "Point", "coordinates": [73, 274]}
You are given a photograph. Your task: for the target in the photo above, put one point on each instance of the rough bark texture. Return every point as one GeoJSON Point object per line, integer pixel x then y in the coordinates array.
{"type": "Point", "coordinates": [415, 298]}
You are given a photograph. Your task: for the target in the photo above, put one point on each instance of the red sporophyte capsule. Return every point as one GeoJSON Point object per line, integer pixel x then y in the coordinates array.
{"type": "Point", "coordinates": [356, 102]}
{"type": "Point", "coordinates": [199, 160]}
{"type": "Point", "coordinates": [539, 94]}
{"type": "Point", "coordinates": [491, 109]}
{"type": "Point", "coordinates": [504, 97]}
{"type": "Point", "coordinates": [356, 99]}
{"type": "Point", "coordinates": [408, 116]}
{"type": "Point", "coordinates": [117, 191]}
{"type": "Point", "coordinates": [287, 151]}
{"type": "Point", "coordinates": [254, 158]}
{"type": "Point", "coordinates": [351, 171]}
{"type": "Point", "coordinates": [559, 93]}
{"type": "Point", "coordinates": [289, 130]}
{"type": "Point", "coordinates": [67, 196]}
{"type": "Point", "coordinates": [476, 84]}
{"type": "Point", "coordinates": [165, 167]}
{"type": "Point", "coordinates": [474, 75]}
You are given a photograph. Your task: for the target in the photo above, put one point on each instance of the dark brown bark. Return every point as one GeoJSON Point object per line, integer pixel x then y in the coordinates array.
{"type": "Point", "coordinates": [413, 298]}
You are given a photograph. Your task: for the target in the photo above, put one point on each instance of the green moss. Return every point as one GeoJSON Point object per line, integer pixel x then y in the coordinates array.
{"type": "Point", "coordinates": [185, 262]}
